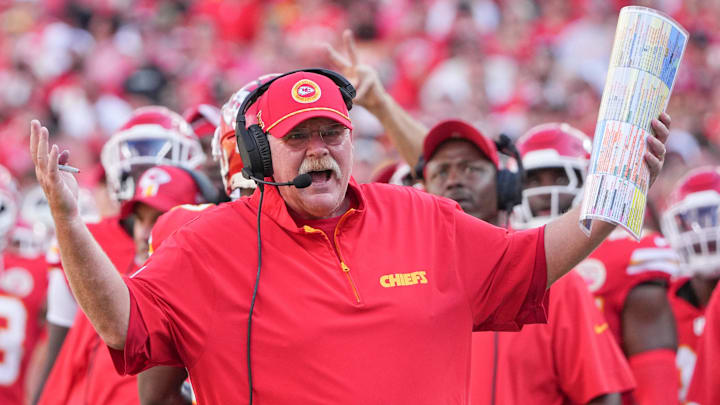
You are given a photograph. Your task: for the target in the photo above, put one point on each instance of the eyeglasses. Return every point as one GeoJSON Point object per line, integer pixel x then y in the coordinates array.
{"type": "Point", "coordinates": [332, 135]}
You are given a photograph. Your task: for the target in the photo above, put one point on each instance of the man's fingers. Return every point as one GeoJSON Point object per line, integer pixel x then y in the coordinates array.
{"type": "Point", "coordinates": [362, 88]}
{"type": "Point", "coordinates": [53, 161]}
{"type": "Point", "coordinates": [42, 149]}
{"type": "Point", "coordinates": [654, 164]}
{"type": "Point", "coordinates": [336, 58]}
{"type": "Point", "coordinates": [661, 129]}
{"type": "Point", "coordinates": [656, 147]}
{"type": "Point", "coordinates": [34, 137]}
{"type": "Point", "coordinates": [64, 157]}
{"type": "Point", "coordinates": [665, 118]}
{"type": "Point", "coordinates": [350, 47]}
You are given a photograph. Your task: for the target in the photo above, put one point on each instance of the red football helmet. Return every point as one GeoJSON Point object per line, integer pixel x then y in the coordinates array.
{"type": "Point", "coordinates": [203, 118]}
{"type": "Point", "coordinates": [154, 135]}
{"type": "Point", "coordinates": [691, 221]}
{"type": "Point", "coordinates": [551, 146]}
{"type": "Point", "coordinates": [224, 142]}
{"type": "Point", "coordinates": [9, 204]}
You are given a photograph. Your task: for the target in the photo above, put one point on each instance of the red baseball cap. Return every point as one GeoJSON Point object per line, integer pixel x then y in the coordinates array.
{"type": "Point", "coordinates": [297, 97]}
{"type": "Point", "coordinates": [457, 129]}
{"type": "Point", "coordinates": [163, 187]}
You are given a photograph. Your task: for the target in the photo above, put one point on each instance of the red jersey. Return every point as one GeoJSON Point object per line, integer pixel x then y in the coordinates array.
{"type": "Point", "coordinates": [618, 265]}
{"type": "Point", "coordinates": [23, 284]}
{"type": "Point", "coordinates": [704, 388]}
{"type": "Point", "coordinates": [172, 220]}
{"type": "Point", "coordinates": [571, 360]}
{"type": "Point", "coordinates": [83, 372]}
{"type": "Point", "coordinates": [386, 317]}
{"type": "Point", "coordinates": [690, 322]}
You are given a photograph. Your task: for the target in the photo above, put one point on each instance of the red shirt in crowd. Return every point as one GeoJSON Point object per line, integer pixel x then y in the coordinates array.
{"type": "Point", "coordinates": [83, 372]}
{"type": "Point", "coordinates": [23, 284]}
{"type": "Point", "coordinates": [690, 322]}
{"type": "Point", "coordinates": [386, 317]}
{"type": "Point", "coordinates": [572, 359]}
{"type": "Point", "coordinates": [620, 264]}
{"type": "Point", "coordinates": [704, 387]}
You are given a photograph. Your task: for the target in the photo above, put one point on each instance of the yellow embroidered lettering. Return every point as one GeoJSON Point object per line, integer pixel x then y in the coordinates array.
{"type": "Point", "coordinates": [403, 279]}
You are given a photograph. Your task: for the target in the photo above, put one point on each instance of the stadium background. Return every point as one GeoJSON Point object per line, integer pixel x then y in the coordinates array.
{"type": "Point", "coordinates": [81, 66]}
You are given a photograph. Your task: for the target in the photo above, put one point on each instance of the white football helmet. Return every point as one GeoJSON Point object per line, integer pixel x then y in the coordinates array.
{"type": "Point", "coordinates": [691, 222]}
{"type": "Point", "coordinates": [9, 204]}
{"type": "Point", "coordinates": [224, 144]}
{"type": "Point", "coordinates": [153, 136]}
{"type": "Point", "coordinates": [551, 146]}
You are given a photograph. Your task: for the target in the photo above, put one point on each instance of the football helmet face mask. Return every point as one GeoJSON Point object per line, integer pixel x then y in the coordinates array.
{"type": "Point", "coordinates": [691, 222]}
{"type": "Point", "coordinates": [153, 136]}
{"type": "Point", "coordinates": [224, 145]}
{"type": "Point", "coordinates": [9, 204]}
{"type": "Point", "coordinates": [559, 150]}
{"type": "Point", "coordinates": [27, 240]}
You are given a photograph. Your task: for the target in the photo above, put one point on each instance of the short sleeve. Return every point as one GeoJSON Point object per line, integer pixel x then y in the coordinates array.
{"type": "Point", "coordinates": [171, 307]}
{"type": "Point", "coordinates": [61, 305]}
{"type": "Point", "coordinates": [579, 327]}
{"type": "Point", "coordinates": [504, 273]}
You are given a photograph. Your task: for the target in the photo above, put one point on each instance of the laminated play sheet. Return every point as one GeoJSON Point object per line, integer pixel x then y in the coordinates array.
{"type": "Point", "coordinates": [645, 58]}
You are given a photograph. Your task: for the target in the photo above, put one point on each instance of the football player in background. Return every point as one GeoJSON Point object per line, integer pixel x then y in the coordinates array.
{"type": "Point", "coordinates": [629, 280]}
{"type": "Point", "coordinates": [204, 120]}
{"type": "Point", "coordinates": [462, 164]}
{"type": "Point", "coordinates": [691, 224]}
{"type": "Point", "coordinates": [23, 285]}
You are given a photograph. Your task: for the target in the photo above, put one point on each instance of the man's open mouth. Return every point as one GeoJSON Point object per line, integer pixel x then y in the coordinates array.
{"type": "Point", "coordinates": [319, 176]}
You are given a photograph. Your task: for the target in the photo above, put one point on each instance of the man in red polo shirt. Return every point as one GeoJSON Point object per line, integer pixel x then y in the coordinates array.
{"type": "Point", "coordinates": [368, 316]}
{"type": "Point", "coordinates": [463, 164]}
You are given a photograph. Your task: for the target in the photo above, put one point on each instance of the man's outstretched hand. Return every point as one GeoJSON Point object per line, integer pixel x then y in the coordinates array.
{"type": "Point", "coordinates": [61, 188]}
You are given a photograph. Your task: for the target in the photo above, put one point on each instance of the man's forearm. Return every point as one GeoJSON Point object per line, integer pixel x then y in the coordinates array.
{"type": "Point", "coordinates": [406, 133]}
{"type": "Point", "coordinates": [566, 245]}
{"type": "Point", "coordinates": [96, 284]}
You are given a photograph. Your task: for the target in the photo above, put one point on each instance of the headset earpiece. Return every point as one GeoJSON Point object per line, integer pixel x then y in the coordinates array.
{"type": "Point", "coordinates": [509, 184]}
{"type": "Point", "coordinates": [208, 191]}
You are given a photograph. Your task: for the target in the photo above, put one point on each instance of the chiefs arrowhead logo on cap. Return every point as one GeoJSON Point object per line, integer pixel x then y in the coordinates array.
{"type": "Point", "coordinates": [151, 181]}
{"type": "Point", "coordinates": [305, 91]}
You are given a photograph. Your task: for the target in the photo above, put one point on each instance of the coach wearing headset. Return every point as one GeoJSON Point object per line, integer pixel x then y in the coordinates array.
{"type": "Point", "coordinates": [368, 294]}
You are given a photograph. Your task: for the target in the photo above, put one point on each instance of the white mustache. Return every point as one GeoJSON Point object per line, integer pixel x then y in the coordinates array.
{"type": "Point", "coordinates": [323, 163]}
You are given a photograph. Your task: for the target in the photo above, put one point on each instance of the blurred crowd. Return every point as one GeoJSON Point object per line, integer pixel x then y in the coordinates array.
{"type": "Point", "coordinates": [82, 66]}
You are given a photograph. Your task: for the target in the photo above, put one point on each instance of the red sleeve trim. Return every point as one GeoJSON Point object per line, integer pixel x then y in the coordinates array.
{"type": "Point", "coordinates": [534, 308]}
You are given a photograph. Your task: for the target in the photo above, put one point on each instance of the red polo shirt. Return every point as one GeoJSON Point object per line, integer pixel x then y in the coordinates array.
{"type": "Point", "coordinates": [385, 318]}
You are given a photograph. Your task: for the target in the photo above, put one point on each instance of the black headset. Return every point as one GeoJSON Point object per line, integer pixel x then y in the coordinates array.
{"type": "Point", "coordinates": [252, 141]}
{"type": "Point", "coordinates": [508, 183]}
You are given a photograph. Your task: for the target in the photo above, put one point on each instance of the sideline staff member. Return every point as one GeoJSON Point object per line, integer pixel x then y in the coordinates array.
{"type": "Point", "coordinates": [371, 291]}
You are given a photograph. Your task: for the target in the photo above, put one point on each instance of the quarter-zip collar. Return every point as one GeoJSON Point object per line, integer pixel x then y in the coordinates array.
{"type": "Point", "coordinates": [274, 206]}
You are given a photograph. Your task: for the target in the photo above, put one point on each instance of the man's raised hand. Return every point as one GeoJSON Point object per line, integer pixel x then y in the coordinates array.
{"type": "Point", "coordinates": [655, 155]}
{"type": "Point", "coordinates": [370, 91]}
{"type": "Point", "coordinates": [61, 188]}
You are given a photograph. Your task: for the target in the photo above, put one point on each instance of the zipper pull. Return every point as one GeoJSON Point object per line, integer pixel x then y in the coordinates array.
{"type": "Point", "coordinates": [345, 268]}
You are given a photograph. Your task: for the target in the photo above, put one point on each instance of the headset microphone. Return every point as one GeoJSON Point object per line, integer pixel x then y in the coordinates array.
{"type": "Point", "coordinates": [301, 181]}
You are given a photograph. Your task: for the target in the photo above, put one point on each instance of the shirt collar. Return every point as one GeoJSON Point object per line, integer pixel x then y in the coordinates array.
{"type": "Point", "coordinates": [274, 206]}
